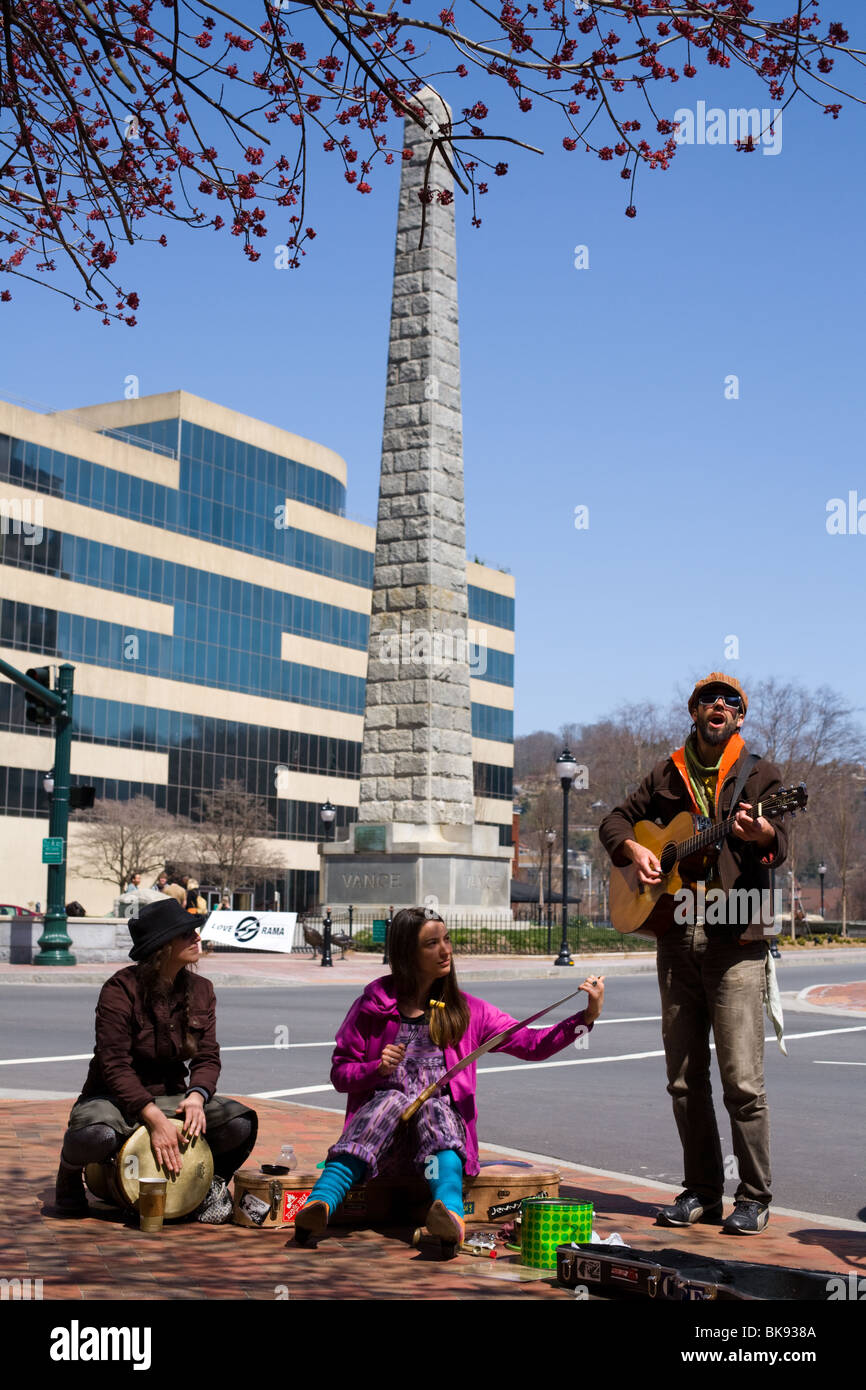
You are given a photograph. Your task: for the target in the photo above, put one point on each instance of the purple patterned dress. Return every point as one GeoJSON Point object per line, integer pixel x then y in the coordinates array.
{"type": "Point", "coordinates": [375, 1132]}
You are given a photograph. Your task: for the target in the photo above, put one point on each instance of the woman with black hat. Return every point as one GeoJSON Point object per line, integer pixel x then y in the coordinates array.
{"type": "Point", "coordinates": [152, 1020]}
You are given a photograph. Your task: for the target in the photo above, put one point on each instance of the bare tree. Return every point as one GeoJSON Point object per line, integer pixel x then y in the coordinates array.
{"type": "Point", "coordinates": [843, 809]}
{"type": "Point", "coordinates": [534, 753]}
{"type": "Point", "coordinates": [124, 837]}
{"type": "Point", "coordinates": [813, 737]}
{"type": "Point", "coordinates": [543, 813]}
{"type": "Point", "coordinates": [226, 846]}
{"type": "Point", "coordinates": [805, 732]}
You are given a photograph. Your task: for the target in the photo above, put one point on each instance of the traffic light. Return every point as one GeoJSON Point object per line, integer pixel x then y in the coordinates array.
{"type": "Point", "coordinates": [37, 713]}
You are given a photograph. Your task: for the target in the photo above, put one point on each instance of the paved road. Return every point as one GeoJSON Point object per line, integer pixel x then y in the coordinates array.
{"type": "Point", "coordinates": [604, 1106]}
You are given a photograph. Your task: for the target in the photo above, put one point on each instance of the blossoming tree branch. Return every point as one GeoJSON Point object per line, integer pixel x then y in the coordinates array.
{"type": "Point", "coordinates": [117, 118]}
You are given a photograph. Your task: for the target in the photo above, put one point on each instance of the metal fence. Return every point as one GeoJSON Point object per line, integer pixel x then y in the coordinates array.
{"type": "Point", "coordinates": [526, 933]}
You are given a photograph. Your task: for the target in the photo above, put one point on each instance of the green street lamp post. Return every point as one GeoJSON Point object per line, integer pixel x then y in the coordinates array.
{"type": "Point", "coordinates": [43, 706]}
{"type": "Point", "coordinates": [55, 940]}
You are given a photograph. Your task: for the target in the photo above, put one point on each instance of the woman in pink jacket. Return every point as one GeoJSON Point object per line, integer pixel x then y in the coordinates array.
{"type": "Point", "coordinates": [404, 1032]}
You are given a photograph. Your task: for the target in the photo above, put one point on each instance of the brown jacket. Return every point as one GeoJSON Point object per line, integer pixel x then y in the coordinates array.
{"type": "Point", "coordinates": [137, 1053]}
{"type": "Point", "coordinates": [664, 794]}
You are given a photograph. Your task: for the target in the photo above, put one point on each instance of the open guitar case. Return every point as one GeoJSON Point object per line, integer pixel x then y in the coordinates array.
{"type": "Point", "coordinates": [680, 1276]}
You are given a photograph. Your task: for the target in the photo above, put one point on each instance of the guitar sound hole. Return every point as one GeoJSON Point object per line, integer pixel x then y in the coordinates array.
{"type": "Point", "coordinates": [668, 857]}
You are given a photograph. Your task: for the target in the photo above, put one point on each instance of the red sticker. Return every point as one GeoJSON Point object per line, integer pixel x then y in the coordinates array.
{"type": "Point", "coordinates": [292, 1203]}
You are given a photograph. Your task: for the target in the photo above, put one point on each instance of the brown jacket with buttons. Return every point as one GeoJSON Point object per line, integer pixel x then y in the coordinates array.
{"type": "Point", "coordinates": [665, 793]}
{"type": "Point", "coordinates": [137, 1053]}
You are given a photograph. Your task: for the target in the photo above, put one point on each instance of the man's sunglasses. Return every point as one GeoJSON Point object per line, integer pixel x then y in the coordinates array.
{"type": "Point", "coordinates": [709, 697]}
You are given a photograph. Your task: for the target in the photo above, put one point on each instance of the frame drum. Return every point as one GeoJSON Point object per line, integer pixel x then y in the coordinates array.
{"type": "Point", "coordinates": [117, 1179]}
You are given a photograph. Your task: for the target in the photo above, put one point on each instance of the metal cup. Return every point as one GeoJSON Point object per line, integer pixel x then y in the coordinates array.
{"type": "Point", "coordinates": [151, 1204]}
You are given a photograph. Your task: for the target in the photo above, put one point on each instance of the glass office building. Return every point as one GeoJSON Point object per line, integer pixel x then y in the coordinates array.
{"type": "Point", "coordinates": [197, 568]}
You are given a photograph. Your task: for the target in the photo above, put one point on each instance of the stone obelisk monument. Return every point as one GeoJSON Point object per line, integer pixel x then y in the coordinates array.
{"type": "Point", "coordinates": [416, 837]}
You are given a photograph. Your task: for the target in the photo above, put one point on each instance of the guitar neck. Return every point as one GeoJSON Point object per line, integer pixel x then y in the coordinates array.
{"type": "Point", "coordinates": [704, 838]}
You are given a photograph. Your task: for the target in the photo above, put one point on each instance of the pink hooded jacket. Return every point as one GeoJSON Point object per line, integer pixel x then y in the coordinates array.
{"type": "Point", "coordinates": [374, 1021]}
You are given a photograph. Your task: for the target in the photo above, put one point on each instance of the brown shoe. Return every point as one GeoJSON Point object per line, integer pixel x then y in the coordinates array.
{"type": "Point", "coordinates": [445, 1224]}
{"type": "Point", "coordinates": [310, 1221]}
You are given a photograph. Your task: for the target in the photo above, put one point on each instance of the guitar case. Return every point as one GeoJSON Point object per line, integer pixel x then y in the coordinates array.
{"type": "Point", "coordinates": [677, 1276]}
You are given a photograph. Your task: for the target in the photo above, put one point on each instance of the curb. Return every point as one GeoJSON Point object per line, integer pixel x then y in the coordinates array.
{"type": "Point", "coordinates": [840, 1223]}
{"type": "Point", "coordinates": [634, 963]}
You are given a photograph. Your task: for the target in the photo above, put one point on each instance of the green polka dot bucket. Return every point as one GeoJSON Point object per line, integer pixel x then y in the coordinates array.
{"type": "Point", "coordinates": [547, 1224]}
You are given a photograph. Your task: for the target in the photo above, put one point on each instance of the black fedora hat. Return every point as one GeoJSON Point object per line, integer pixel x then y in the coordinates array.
{"type": "Point", "coordinates": [158, 923]}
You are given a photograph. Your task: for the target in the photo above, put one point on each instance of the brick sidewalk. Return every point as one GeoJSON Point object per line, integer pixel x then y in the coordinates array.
{"type": "Point", "coordinates": [850, 997]}
{"type": "Point", "coordinates": [105, 1257]}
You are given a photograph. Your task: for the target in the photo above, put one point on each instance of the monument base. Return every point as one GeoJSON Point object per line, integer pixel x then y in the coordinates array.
{"type": "Point", "coordinates": [460, 871]}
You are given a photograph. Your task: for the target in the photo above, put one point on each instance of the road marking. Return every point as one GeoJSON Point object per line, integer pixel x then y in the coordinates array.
{"type": "Point", "coordinates": [517, 1065]}
{"type": "Point", "coordinates": [24, 1061]}
{"type": "Point", "coordinates": [279, 1047]}
{"type": "Point", "coordinates": [86, 1056]}
{"type": "Point", "coordinates": [838, 1064]}
{"type": "Point", "coordinates": [822, 1033]}
{"type": "Point", "coordinates": [296, 1091]}
{"type": "Point", "coordinates": [569, 1062]}
{"type": "Point", "coordinates": [641, 1018]}
{"type": "Point", "coordinates": [270, 1047]}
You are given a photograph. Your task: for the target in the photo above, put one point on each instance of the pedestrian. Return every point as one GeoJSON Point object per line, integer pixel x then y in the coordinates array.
{"type": "Point", "coordinates": [403, 1033]}
{"type": "Point", "coordinates": [195, 903]}
{"type": "Point", "coordinates": [159, 885]}
{"type": "Point", "coordinates": [712, 974]}
{"type": "Point", "coordinates": [155, 1019]}
{"type": "Point", "coordinates": [134, 882]}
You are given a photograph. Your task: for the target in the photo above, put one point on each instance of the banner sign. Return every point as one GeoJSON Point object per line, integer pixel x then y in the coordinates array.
{"type": "Point", "coordinates": [256, 931]}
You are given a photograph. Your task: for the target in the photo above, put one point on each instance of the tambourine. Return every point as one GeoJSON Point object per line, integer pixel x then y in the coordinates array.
{"type": "Point", "coordinates": [116, 1180]}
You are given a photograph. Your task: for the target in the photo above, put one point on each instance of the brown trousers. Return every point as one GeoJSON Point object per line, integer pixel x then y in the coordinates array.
{"type": "Point", "coordinates": [715, 983]}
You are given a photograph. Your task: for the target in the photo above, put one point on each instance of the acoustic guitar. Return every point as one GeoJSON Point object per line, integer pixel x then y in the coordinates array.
{"type": "Point", "coordinates": [686, 837]}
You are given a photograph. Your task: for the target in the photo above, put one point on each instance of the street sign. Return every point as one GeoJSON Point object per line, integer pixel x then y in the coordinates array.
{"type": "Point", "coordinates": [379, 925]}
{"type": "Point", "coordinates": [52, 849]}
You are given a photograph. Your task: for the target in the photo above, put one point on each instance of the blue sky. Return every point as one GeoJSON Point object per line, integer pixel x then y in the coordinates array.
{"type": "Point", "coordinates": [602, 387]}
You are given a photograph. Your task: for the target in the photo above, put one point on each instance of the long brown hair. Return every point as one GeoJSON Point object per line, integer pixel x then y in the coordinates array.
{"type": "Point", "coordinates": [448, 1024]}
{"type": "Point", "coordinates": [155, 986]}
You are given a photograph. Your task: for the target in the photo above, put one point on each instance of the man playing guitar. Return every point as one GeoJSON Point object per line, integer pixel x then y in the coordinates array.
{"type": "Point", "coordinates": [711, 973]}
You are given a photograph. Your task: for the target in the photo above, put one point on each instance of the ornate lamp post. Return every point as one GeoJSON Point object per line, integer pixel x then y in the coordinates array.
{"type": "Point", "coordinates": [550, 837]}
{"type": "Point", "coordinates": [328, 814]}
{"type": "Point", "coordinates": [822, 869]}
{"type": "Point", "coordinates": [566, 770]}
